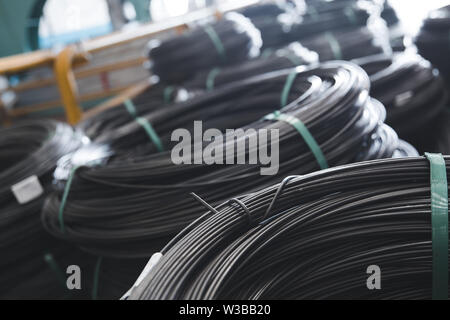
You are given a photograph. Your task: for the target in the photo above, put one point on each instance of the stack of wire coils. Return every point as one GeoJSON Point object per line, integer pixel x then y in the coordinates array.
{"type": "Point", "coordinates": [325, 118]}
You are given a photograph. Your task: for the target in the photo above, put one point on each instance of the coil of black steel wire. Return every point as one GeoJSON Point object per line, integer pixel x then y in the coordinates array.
{"type": "Point", "coordinates": [433, 40]}
{"type": "Point", "coordinates": [347, 45]}
{"type": "Point", "coordinates": [140, 202]}
{"type": "Point", "coordinates": [412, 91]}
{"type": "Point", "coordinates": [161, 96]}
{"type": "Point", "coordinates": [154, 97]}
{"type": "Point", "coordinates": [275, 22]}
{"type": "Point", "coordinates": [323, 16]}
{"type": "Point", "coordinates": [309, 237]}
{"type": "Point", "coordinates": [290, 56]}
{"type": "Point", "coordinates": [264, 9]}
{"type": "Point", "coordinates": [30, 149]}
{"type": "Point", "coordinates": [228, 41]}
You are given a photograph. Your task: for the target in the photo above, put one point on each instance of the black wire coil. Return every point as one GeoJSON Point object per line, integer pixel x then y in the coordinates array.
{"type": "Point", "coordinates": [162, 96]}
{"type": "Point", "coordinates": [230, 40]}
{"type": "Point", "coordinates": [290, 56]}
{"type": "Point", "coordinates": [30, 148]}
{"type": "Point", "coordinates": [155, 96]}
{"type": "Point", "coordinates": [310, 237]}
{"type": "Point", "coordinates": [346, 45]}
{"type": "Point", "coordinates": [412, 91]}
{"type": "Point", "coordinates": [323, 16]}
{"type": "Point", "coordinates": [274, 21]}
{"type": "Point", "coordinates": [142, 201]}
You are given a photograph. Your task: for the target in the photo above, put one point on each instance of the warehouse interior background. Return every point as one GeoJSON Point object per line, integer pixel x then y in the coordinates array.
{"type": "Point", "coordinates": [55, 23]}
{"type": "Point", "coordinates": [336, 112]}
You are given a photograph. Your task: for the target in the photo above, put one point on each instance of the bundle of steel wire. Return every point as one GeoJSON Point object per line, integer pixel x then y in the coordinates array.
{"type": "Point", "coordinates": [323, 16]}
{"type": "Point", "coordinates": [161, 96]}
{"type": "Point", "coordinates": [309, 237]}
{"type": "Point", "coordinates": [154, 97]}
{"type": "Point", "coordinates": [264, 9]}
{"type": "Point", "coordinates": [29, 149]}
{"type": "Point", "coordinates": [433, 39]}
{"type": "Point", "coordinates": [140, 202]}
{"type": "Point", "coordinates": [411, 90]}
{"type": "Point", "coordinates": [290, 56]}
{"type": "Point", "coordinates": [347, 45]}
{"type": "Point", "coordinates": [228, 41]}
{"type": "Point", "coordinates": [274, 21]}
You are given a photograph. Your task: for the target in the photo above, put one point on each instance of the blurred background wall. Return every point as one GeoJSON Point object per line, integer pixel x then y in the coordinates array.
{"type": "Point", "coordinates": [32, 24]}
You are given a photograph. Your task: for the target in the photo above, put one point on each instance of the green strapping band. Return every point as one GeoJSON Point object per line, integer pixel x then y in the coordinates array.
{"type": "Point", "coordinates": [144, 124]}
{"type": "Point", "coordinates": [304, 132]}
{"type": "Point", "coordinates": [50, 260]}
{"type": "Point", "coordinates": [294, 59]}
{"type": "Point", "coordinates": [287, 88]}
{"type": "Point", "coordinates": [439, 222]}
{"type": "Point", "coordinates": [151, 133]}
{"type": "Point", "coordinates": [351, 15]}
{"type": "Point", "coordinates": [313, 12]}
{"type": "Point", "coordinates": [64, 199]}
{"type": "Point", "coordinates": [96, 278]}
{"type": "Point", "coordinates": [167, 93]}
{"type": "Point", "coordinates": [216, 41]}
{"type": "Point", "coordinates": [129, 105]}
{"type": "Point", "coordinates": [211, 78]}
{"type": "Point", "coordinates": [334, 45]}
{"type": "Point", "coordinates": [267, 53]}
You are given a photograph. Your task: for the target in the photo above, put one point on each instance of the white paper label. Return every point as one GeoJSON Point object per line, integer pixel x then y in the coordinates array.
{"type": "Point", "coordinates": [27, 190]}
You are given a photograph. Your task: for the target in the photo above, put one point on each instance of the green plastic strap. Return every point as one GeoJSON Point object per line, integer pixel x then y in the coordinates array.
{"type": "Point", "coordinates": [50, 260]}
{"type": "Point", "coordinates": [151, 133]}
{"type": "Point", "coordinates": [216, 41]}
{"type": "Point", "coordinates": [304, 132]}
{"type": "Point", "coordinates": [129, 105]}
{"type": "Point", "coordinates": [96, 278]}
{"type": "Point", "coordinates": [211, 78]}
{"type": "Point", "coordinates": [64, 199]}
{"type": "Point", "coordinates": [294, 59]}
{"type": "Point", "coordinates": [351, 15]}
{"type": "Point", "coordinates": [334, 45]}
{"type": "Point", "coordinates": [287, 88]}
{"type": "Point", "coordinates": [267, 53]}
{"type": "Point", "coordinates": [313, 12]}
{"type": "Point", "coordinates": [439, 221]}
{"type": "Point", "coordinates": [167, 93]}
